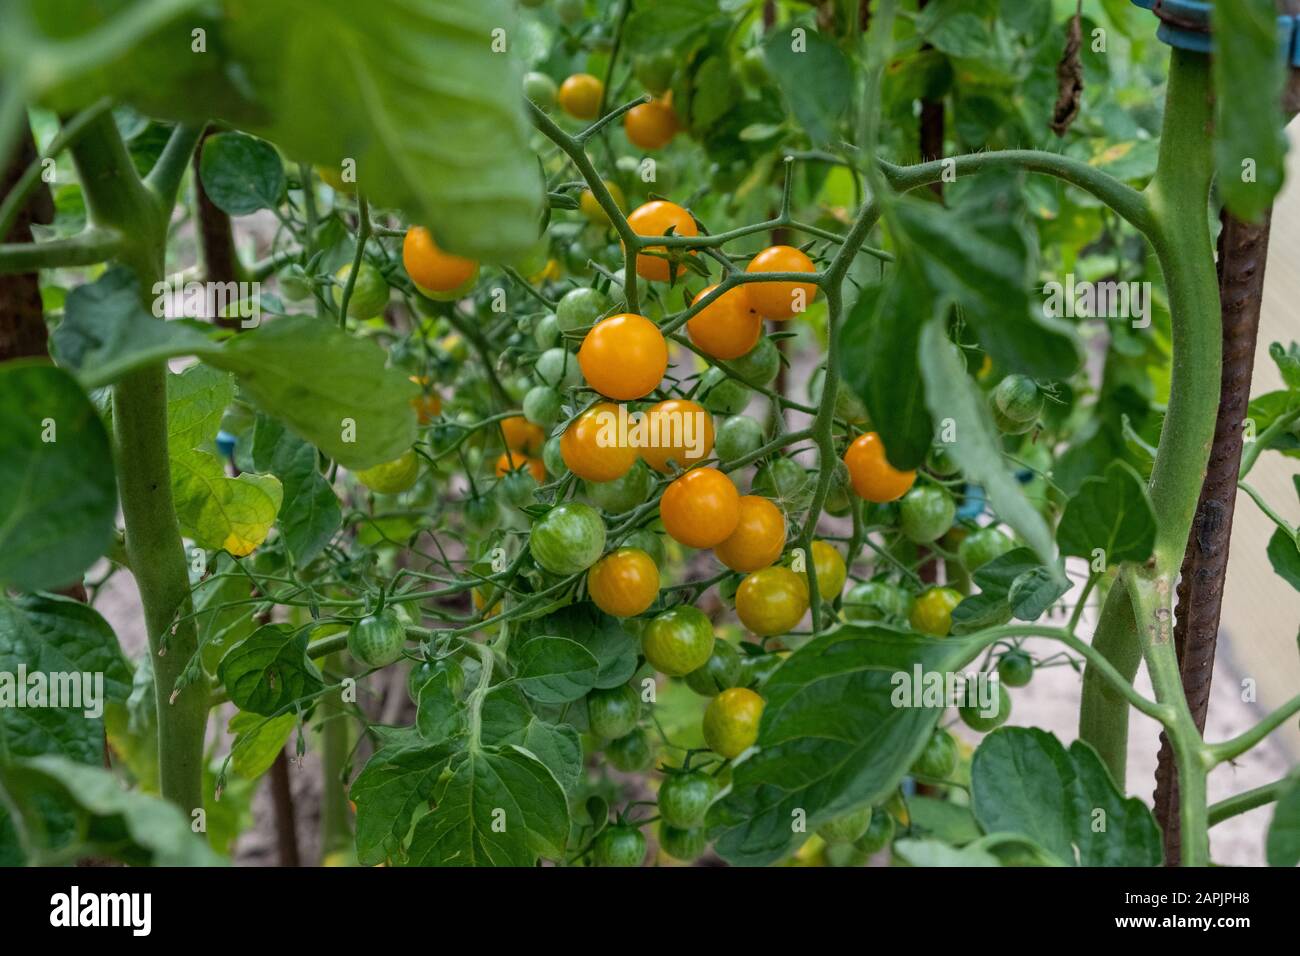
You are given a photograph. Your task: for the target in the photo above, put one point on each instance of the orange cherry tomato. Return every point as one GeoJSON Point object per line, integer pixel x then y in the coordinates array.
{"type": "Point", "coordinates": [624, 356]}
{"type": "Point", "coordinates": [624, 582]}
{"type": "Point", "coordinates": [428, 404]}
{"type": "Point", "coordinates": [651, 125]}
{"type": "Point", "coordinates": [873, 477]}
{"type": "Point", "coordinates": [516, 461]}
{"type": "Point", "coordinates": [522, 435]}
{"type": "Point", "coordinates": [580, 96]}
{"type": "Point", "coordinates": [728, 327]}
{"type": "Point", "coordinates": [759, 537]}
{"type": "Point", "coordinates": [590, 445]}
{"type": "Point", "coordinates": [681, 431]}
{"type": "Point", "coordinates": [701, 508]}
{"type": "Point", "coordinates": [781, 300]}
{"type": "Point", "coordinates": [654, 219]}
{"type": "Point", "coordinates": [433, 270]}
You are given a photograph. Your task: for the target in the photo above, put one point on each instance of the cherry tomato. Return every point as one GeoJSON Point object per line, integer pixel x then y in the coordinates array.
{"type": "Point", "coordinates": [558, 367]}
{"type": "Point", "coordinates": [541, 89]}
{"type": "Point", "coordinates": [738, 436]}
{"type": "Point", "coordinates": [541, 407]}
{"type": "Point", "coordinates": [580, 308]}
{"type": "Point", "coordinates": [878, 835]}
{"type": "Point", "coordinates": [619, 846]}
{"type": "Point", "coordinates": [684, 845]}
{"type": "Point", "coordinates": [681, 432]}
{"type": "Point", "coordinates": [926, 513]}
{"type": "Point", "coordinates": [727, 328]}
{"type": "Point", "coordinates": [781, 300]}
{"type": "Point", "coordinates": [426, 670]}
{"type": "Point", "coordinates": [513, 461]}
{"type": "Point", "coordinates": [701, 508]}
{"type": "Point", "coordinates": [622, 494]}
{"type": "Point", "coordinates": [975, 717]}
{"type": "Point", "coordinates": [428, 404]}
{"type": "Point", "coordinates": [580, 96]}
{"type": "Point", "coordinates": [932, 611]}
{"type": "Point", "coordinates": [980, 547]}
{"type": "Point", "coordinates": [678, 640]}
{"type": "Point", "coordinates": [731, 721]}
{"type": "Point", "coordinates": [759, 537]}
{"type": "Point", "coordinates": [654, 219]}
{"type": "Point", "coordinates": [876, 601]}
{"type": "Point", "coordinates": [1015, 668]}
{"type": "Point", "coordinates": [760, 365]}
{"type": "Point", "coordinates": [612, 713]}
{"type": "Point", "coordinates": [522, 435]}
{"type": "Point", "coordinates": [590, 207]}
{"type": "Point", "coordinates": [436, 273]}
{"type": "Point", "coordinates": [567, 539]}
{"type": "Point", "coordinates": [1018, 398]}
{"type": "Point", "coordinates": [624, 582]}
{"type": "Point", "coordinates": [651, 125]}
{"type": "Point", "coordinates": [831, 572]}
{"type": "Point", "coordinates": [684, 798]}
{"type": "Point", "coordinates": [630, 753]}
{"type": "Point", "coordinates": [590, 446]}
{"type": "Point", "coordinates": [624, 356]}
{"type": "Point", "coordinates": [723, 669]}
{"type": "Point", "coordinates": [772, 601]}
{"type": "Point", "coordinates": [785, 482]}
{"type": "Point", "coordinates": [369, 292]}
{"type": "Point", "coordinates": [377, 639]}
{"type": "Point", "coordinates": [939, 758]}
{"type": "Point", "coordinates": [873, 477]}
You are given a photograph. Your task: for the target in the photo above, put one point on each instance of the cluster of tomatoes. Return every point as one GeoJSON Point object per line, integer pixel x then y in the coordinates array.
{"type": "Point", "coordinates": [612, 502]}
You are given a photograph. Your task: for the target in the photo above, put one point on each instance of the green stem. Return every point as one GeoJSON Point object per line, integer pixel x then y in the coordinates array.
{"type": "Point", "coordinates": [1249, 800]}
{"type": "Point", "coordinates": [1236, 746]}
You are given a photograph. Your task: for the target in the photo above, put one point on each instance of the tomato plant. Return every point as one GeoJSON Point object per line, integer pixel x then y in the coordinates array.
{"type": "Point", "coordinates": [655, 401]}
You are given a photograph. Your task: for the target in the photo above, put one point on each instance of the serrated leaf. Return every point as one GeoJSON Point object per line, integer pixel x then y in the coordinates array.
{"type": "Point", "coordinates": [269, 670]}
{"type": "Point", "coordinates": [59, 501]}
{"type": "Point", "coordinates": [555, 670]}
{"type": "Point", "coordinates": [394, 786]}
{"type": "Point", "coordinates": [1113, 514]}
{"type": "Point", "coordinates": [977, 448]}
{"type": "Point", "coordinates": [614, 649]}
{"type": "Point", "coordinates": [438, 714]}
{"type": "Point", "coordinates": [1033, 592]}
{"type": "Point", "coordinates": [507, 719]}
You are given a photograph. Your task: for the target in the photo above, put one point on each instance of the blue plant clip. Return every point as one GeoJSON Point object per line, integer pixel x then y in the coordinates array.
{"type": "Point", "coordinates": [225, 443]}
{"type": "Point", "coordinates": [1186, 24]}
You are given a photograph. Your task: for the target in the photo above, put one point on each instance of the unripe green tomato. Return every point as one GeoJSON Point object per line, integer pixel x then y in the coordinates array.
{"type": "Point", "coordinates": [940, 462]}
{"type": "Point", "coordinates": [753, 67]}
{"type": "Point", "coordinates": [737, 437]}
{"type": "Point", "coordinates": [925, 513]}
{"type": "Point", "coordinates": [651, 542]}
{"type": "Point", "coordinates": [570, 11]}
{"type": "Point", "coordinates": [542, 406]}
{"type": "Point", "coordinates": [655, 71]}
{"type": "Point", "coordinates": [619, 846]}
{"type": "Point", "coordinates": [1018, 398]}
{"type": "Point", "coordinates": [878, 835]}
{"type": "Point", "coordinates": [558, 368]}
{"type": "Point", "coordinates": [616, 287]}
{"type": "Point", "coordinates": [980, 547]}
{"type": "Point", "coordinates": [975, 718]}
{"type": "Point", "coordinates": [684, 798]}
{"type": "Point", "coordinates": [723, 669]}
{"type": "Point", "coordinates": [1016, 668]}
{"type": "Point", "coordinates": [939, 758]}
{"type": "Point", "coordinates": [622, 494]}
{"type": "Point", "coordinates": [541, 89]}
{"type": "Point", "coordinates": [517, 386]}
{"type": "Point", "coordinates": [784, 481]}
{"type": "Point", "coordinates": [757, 668]}
{"type": "Point", "coordinates": [580, 308]}
{"type": "Point", "coordinates": [377, 639]}
{"type": "Point", "coordinates": [295, 284]}
{"type": "Point", "coordinates": [546, 332]}
{"type": "Point", "coordinates": [848, 827]}
{"type": "Point", "coordinates": [630, 753]}
{"type": "Point", "coordinates": [482, 514]}
{"type": "Point", "coordinates": [876, 601]}
{"type": "Point", "coordinates": [760, 364]}
{"type": "Point", "coordinates": [684, 845]}
{"type": "Point", "coordinates": [722, 395]}
{"type": "Point", "coordinates": [613, 713]}
{"type": "Point", "coordinates": [552, 458]}
{"type": "Point", "coordinates": [426, 670]}
{"type": "Point", "coordinates": [567, 539]}
{"type": "Point", "coordinates": [1009, 426]}
{"type": "Point", "coordinates": [517, 487]}
{"type": "Point", "coordinates": [369, 292]}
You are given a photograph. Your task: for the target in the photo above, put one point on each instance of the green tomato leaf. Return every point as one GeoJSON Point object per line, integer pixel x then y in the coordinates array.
{"type": "Point", "coordinates": [258, 741]}
{"type": "Point", "coordinates": [60, 496]}
{"type": "Point", "coordinates": [125, 825]}
{"type": "Point", "coordinates": [1288, 363]}
{"type": "Point", "coordinates": [501, 806]}
{"type": "Point", "coordinates": [1024, 781]}
{"type": "Point", "coordinates": [395, 785]}
{"type": "Point", "coordinates": [931, 852]}
{"type": "Point", "coordinates": [1249, 76]}
{"type": "Point", "coordinates": [269, 669]}
{"type": "Point", "coordinates": [310, 514]}
{"type": "Point", "coordinates": [554, 670]}
{"type": "Point", "coordinates": [241, 174]}
{"type": "Point", "coordinates": [977, 449]}
{"type": "Point", "coordinates": [439, 715]}
{"type": "Point", "coordinates": [221, 617]}
{"type": "Point", "coordinates": [1284, 555]}
{"type": "Point", "coordinates": [1033, 592]}
{"type": "Point", "coordinates": [1113, 514]}
{"type": "Point", "coordinates": [1282, 845]}
{"type": "Point", "coordinates": [669, 23]}
{"type": "Point", "coordinates": [835, 734]}
{"type": "Point", "coordinates": [815, 77]}
{"type": "Point", "coordinates": [614, 649]}
{"type": "Point", "coordinates": [507, 719]}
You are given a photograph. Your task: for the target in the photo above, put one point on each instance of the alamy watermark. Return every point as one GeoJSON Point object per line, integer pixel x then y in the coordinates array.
{"type": "Point", "coordinates": [1099, 300]}
{"type": "Point", "coordinates": [76, 690]}
{"type": "Point", "coordinates": [658, 428]}
{"type": "Point", "coordinates": [209, 300]}
{"type": "Point", "coordinates": [977, 690]}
